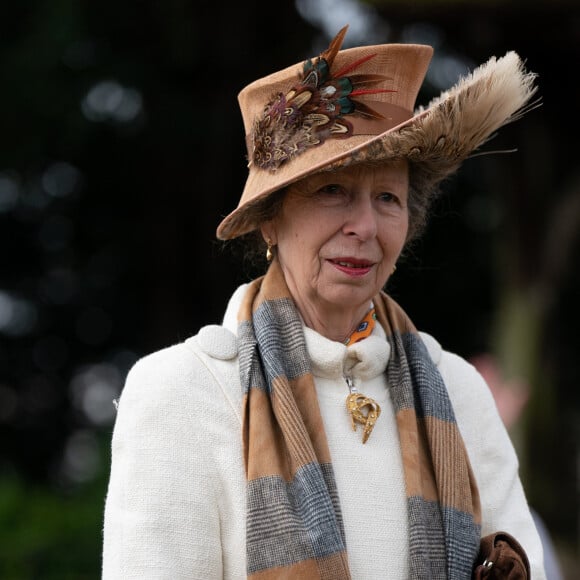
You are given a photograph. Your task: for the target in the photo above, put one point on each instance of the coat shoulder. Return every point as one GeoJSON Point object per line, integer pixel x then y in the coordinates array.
{"type": "Point", "coordinates": [189, 373]}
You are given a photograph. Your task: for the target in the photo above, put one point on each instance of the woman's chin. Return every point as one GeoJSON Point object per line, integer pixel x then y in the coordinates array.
{"type": "Point", "coordinates": [348, 296]}
{"type": "Point", "coordinates": [349, 291]}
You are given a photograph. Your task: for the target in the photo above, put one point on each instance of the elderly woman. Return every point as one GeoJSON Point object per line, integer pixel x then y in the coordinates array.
{"type": "Point", "coordinates": [316, 433]}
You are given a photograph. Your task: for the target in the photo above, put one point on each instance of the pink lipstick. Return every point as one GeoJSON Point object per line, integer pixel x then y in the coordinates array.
{"type": "Point", "coordinates": [352, 266]}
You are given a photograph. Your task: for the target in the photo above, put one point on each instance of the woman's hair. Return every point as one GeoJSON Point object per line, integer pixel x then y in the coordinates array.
{"type": "Point", "coordinates": [422, 194]}
{"type": "Point", "coordinates": [251, 247]}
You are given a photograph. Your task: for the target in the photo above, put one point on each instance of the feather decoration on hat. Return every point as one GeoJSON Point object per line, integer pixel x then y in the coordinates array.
{"type": "Point", "coordinates": [458, 122]}
{"type": "Point", "coordinates": [313, 110]}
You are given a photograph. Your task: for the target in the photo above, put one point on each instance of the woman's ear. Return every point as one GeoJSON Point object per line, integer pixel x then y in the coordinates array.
{"type": "Point", "coordinates": [268, 232]}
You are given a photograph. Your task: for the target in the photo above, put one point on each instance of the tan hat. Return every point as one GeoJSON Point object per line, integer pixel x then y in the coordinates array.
{"type": "Point", "coordinates": [358, 105]}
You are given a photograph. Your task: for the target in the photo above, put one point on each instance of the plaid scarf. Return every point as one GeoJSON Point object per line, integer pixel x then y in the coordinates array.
{"type": "Point", "coordinates": [294, 525]}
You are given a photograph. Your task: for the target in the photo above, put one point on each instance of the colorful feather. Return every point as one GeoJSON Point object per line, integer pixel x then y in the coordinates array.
{"type": "Point", "coordinates": [313, 110]}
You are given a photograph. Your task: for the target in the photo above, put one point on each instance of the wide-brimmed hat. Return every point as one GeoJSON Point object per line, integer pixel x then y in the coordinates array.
{"type": "Point", "coordinates": [358, 105]}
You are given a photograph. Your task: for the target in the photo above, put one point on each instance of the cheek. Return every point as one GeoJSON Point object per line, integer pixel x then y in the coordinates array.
{"type": "Point", "coordinates": [402, 237]}
{"type": "Point", "coordinates": [394, 240]}
{"type": "Point", "coordinates": [403, 227]}
{"type": "Point", "coordinates": [293, 252]}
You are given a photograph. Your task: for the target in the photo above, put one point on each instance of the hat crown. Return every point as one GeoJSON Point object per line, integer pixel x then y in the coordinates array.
{"type": "Point", "coordinates": [403, 65]}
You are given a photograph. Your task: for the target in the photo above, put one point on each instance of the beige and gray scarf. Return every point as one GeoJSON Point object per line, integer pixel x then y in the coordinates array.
{"type": "Point", "coordinates": [294, 524]}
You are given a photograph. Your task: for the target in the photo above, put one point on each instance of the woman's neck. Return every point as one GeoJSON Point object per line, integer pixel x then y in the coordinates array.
{"type": "Point", "coordinates": [332, 322]}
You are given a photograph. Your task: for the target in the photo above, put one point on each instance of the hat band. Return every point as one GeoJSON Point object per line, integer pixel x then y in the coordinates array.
{"type": "Point", "coordinates": [392, 115]}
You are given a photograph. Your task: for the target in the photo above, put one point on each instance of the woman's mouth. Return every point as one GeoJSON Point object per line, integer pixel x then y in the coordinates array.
{"type": "Point", "coordinates": [352, 267]}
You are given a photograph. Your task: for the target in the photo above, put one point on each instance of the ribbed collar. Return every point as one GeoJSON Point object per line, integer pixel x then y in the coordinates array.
{"type": "Point", "coordinates": [363, 360]}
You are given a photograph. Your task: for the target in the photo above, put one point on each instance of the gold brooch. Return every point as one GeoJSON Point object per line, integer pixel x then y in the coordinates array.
{"type": "Point", "coordinates": [363, 410]}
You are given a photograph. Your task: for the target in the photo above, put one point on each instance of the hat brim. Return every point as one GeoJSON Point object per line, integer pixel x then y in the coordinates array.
{"type": "Point", "coordinates": [438, 137]}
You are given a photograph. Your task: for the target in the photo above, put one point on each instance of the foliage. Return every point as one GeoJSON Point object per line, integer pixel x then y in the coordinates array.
{"type": "Point", "coordinates": [49, 533]}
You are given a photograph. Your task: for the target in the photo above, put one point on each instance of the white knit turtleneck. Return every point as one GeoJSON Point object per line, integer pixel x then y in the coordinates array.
{"type": "Point", "coordinates": [369, 477]}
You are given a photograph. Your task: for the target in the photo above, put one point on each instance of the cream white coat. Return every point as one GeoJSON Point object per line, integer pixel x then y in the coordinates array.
{"type": "Point", "coordinates": [175, 507]}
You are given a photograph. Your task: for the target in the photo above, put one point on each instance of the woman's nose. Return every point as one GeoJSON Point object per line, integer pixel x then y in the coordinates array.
{"type": "Point", "coordinates": [361, 219]}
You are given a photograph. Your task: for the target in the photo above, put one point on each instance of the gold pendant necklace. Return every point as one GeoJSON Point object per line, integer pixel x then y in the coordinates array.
{"type": "Point", "coordinates": [363, 410]}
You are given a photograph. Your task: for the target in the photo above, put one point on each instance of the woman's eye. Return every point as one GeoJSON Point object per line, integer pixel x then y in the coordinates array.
{"type": "Point", "coordinates": [332, 193]}
{"type": "Point", "coordinates": [388, 197]}
{"type": "Point", "coordinates": [331, 189]}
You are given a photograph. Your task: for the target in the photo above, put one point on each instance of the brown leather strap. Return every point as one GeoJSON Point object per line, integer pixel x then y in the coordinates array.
{"type": "Point", "coordinates": [501, 556]}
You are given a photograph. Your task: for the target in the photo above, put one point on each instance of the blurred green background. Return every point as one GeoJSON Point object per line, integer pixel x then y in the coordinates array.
{"type": "Point", "coordinates": [122, 147]}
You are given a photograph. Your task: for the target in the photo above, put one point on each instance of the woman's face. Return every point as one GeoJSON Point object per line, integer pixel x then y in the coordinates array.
{"type": "Point", "coordinates": [339, 234]}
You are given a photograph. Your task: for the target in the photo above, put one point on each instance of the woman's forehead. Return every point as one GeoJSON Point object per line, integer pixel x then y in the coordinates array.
{"type": "Point", "coordinates": [391, 171]}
